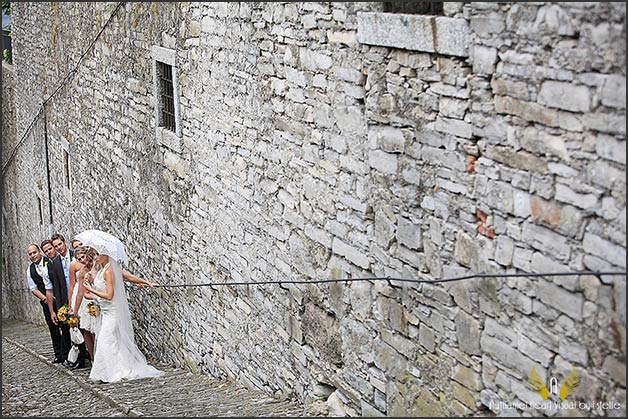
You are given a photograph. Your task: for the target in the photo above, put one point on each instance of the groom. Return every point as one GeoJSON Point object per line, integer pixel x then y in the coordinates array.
{"type": "Point", "coordinates": [59, 273]}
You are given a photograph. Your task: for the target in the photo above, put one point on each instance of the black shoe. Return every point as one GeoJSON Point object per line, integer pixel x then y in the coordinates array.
{"type": "Point", "coordinates": [68, 364]}
{"type": "Point", "coordinates": [78, 365]}
{"type": "Point", "coordinates": [57, 360]}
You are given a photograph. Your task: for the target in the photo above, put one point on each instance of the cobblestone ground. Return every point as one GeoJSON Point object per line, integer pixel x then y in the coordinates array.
{"type": "Point", "coordinates": [33, 386]}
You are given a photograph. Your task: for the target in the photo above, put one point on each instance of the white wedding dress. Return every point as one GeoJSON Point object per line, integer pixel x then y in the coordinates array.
{"type": "Point", "coordinates": [116, 355]}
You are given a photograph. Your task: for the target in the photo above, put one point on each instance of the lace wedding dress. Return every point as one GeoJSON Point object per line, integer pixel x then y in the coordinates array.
{"type": "Point", "coordinates": [116, 355]}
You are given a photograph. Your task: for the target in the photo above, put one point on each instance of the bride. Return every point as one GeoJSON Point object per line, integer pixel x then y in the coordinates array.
{"type": "Point", "coordinates": [116, 355]}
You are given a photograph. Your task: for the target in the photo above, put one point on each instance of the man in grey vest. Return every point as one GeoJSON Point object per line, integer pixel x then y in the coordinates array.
{"type": "Point", "coordinates": [38, 282]}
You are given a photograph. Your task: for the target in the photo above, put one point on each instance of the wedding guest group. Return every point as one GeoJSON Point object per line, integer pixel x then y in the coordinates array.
{"type": "Point", "coordinates": [88, 284]}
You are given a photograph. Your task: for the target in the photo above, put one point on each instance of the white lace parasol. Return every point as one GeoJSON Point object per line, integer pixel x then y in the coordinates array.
{"type": "Point", "coordinates": [104, 243]}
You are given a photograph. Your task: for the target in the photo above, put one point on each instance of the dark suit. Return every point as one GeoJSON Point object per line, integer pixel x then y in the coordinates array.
{"type": "Point", "coordinates": [61, 293]}
{"type": "Point", "coordinates": [57, 277]}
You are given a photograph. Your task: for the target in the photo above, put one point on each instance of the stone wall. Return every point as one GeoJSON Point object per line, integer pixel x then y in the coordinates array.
{"type": "Point", "coordinates": [8, 110]}
{"type": "Point", "coordinates": [330, 140]}
{"type": "Point", "coordinates": [8, 142]}
{"type": "Point", "coordinates": [24, 210]}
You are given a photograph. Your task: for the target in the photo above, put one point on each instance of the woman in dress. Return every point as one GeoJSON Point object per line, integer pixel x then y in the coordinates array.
{"type": "Point", "coordinates": [116, 357]}
{"type": "Point", "coordinates": [88, 323]}
{"type": "Point", "coordinates": [75, 267]}
{"type": "Point", "coordinates": [75, 244]}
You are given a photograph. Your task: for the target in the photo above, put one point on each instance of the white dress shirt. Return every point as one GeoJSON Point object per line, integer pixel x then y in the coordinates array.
{"type": "Point", "coordinates": [65, 262]}
{"type": "Point", "coordinates": [42, 270]}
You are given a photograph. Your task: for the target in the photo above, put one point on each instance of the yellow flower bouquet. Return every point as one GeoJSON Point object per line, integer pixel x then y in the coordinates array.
{"type": "Point", "coordinates": [73, 320]}
{"type": "Point", "coordinates": [93, 308]}
{"type": "Point", "coordinates": [63, 313]}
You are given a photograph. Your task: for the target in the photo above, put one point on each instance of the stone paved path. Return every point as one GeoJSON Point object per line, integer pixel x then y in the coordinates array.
{"type": "Point", "coordinates": [33, 386]}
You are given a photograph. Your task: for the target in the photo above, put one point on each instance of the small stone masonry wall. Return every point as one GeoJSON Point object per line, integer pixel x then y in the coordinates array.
{"type": "Point", "coordinates": [8, 110]}
{"type": "Point", "coordinates": [8, 142]}
{"type": "Point", "coordinates": [327, 140]}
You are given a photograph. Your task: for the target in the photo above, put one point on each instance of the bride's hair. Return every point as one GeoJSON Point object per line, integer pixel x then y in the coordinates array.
{"type": "Point", "coordinates": [97, 267]}
{"type": "Point", "coordinates": [87, 251]}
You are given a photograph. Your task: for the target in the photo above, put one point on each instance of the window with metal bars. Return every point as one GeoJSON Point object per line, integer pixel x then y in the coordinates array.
{"type": "Point", "coordinates": [434, 8]}
{"type": "Point", "coordinates": [166, 92]}
{"type": "Point", "coordinates": [66, 168]}
{"type": "Point", "coordinates": [41, 213]}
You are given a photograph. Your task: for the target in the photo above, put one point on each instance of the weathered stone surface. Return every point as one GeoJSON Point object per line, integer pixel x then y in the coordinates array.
{"type": "Point", "coordinates": [388, 139]}
{"type": "Point", "coordinates": [611, 148]}
{"type": "Point", "coordinates": [585, 201]}
{"type": "Point", "coordinates": [453, 108]}
{"type": "Point", "coordinates": [486, 23]}
{"type": "Point", "coordinates": [540, 143]}
{"type": "Point", "coordinates": [483, 59]}
{"type": "Point", "coordinates": [561, 299]}
{"type": "Point", "coordinates": [468, 378]}
{"type": "Point", "coordinates": [408, 233]}
{"type": "Point", "coordinates": [370, 411]}
{"type": "Point", "coordinates": [517, 159]}
{"type": "Point", "coordinates": [468, 333]}
{"type": "Point", "coordinates": [321, 331]}
{"type": "Point", "coordinates": [461, 292]}
{"type": "Point", "coordinates": [449, 90]}
{"type": "Point", "coordinates": [542, 238]}
{"type": "Point", "coordinates": [573, 352]}
{"type": "Point", "coordinates": [614, 92]}
{"type": "Point", "coordinates": [501, 332]}
{"type": "Point", "coordinates": [500, 196]}
{"type": "Point", "coordinates": [534, 351]}
{"type": "Point", "coordinates": [384, 162]}
{"type": "Point", "coordinates": [566, 96]}
{"type": "Point", "coordinates": [454, 127]}
{"type": "Point", "coordinates": [443, 35]}
{"type": "Point", "coordinates": [506, 87]}
{"type": "Point", "coordinates": [537, 113]}
{"type": "Point", "coordinates": [508, 355]}
{"type": "Point", "coordinates": [604, 249]}
{"type": "Point", "coordinates": [466, 251]}
{"type": "Point", "coordinates": [335, 405]}
{"type": "Point", "coordinates": [605, 122]}
{"type": "Point", "coordinates": [616, 369]}
{"type": "Point", "coordinates": [351, 253]}
{"type": "Point", "coordinates": [345, 37]}
{"type": "Point", "coordinates": [427, 338]}
{"type": "Point", "coordinates": [504, 250]}
{"type": "Point", "coordinates": [411, 399]}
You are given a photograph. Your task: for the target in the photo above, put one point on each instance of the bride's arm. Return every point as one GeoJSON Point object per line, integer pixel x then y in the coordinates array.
{"type": "Point", "coordinates": [108, 294]}
{"type": "Point", "coordinates": [87, 279]}
{"type": "Point", "coordinates": [129, 277]}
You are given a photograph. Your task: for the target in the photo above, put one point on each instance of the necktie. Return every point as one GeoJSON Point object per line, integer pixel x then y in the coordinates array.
{"type": "Point", "coordinates": [66, 272]}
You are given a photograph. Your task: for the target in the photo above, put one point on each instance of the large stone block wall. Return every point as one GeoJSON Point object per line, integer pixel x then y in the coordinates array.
{"type": "Point", "coordinates": [330, 140]}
